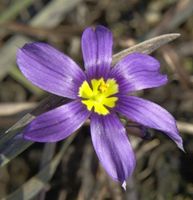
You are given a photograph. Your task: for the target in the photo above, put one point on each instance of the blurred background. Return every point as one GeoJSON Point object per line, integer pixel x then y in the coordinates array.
{"type": "Point", "coordinates": [163, 172]}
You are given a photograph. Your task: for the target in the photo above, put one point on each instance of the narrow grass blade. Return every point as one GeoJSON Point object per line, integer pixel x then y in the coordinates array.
{"type": "Point", "coordinates": [147, 46]}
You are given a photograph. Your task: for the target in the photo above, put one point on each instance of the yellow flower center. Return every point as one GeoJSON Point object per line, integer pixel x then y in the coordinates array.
{"type": "Point", "coordinates": [99, 95]}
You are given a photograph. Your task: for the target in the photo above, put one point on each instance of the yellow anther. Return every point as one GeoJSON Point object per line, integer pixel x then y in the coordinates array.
{"type": "Point", "coordinates": [103, 86]}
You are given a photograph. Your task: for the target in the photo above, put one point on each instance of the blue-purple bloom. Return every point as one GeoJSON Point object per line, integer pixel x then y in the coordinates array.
{"type": "Point", "coordinates": [99, 93]}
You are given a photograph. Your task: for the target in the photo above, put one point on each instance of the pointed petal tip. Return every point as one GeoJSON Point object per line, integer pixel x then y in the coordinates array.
{"type": "Point", "coordinates": [179, 141]}
{"type": "Point", "coordinates": [124, 184]}
{"type": "Point", "coordinates": [181, 147]}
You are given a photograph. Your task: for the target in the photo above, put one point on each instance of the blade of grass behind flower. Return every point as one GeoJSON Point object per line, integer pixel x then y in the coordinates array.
{"type": "Point", "coordinates": [8, 151]}
{"type": "Point", "coordinates": [147, 46]}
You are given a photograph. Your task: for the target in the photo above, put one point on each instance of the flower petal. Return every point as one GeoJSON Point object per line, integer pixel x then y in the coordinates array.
{"type": "Point", "coordinates": [57, 124]}
{"type": "Point", "coordinates": [150, 115]}
{"type": "Point", "coordinates": [138, 71]}
{"type": "Point", "coordinates": [50, 69]}
{"type": "Point", "coordinates": [97, 51]}
{"type": "Point", "coordinates": [112, 146]}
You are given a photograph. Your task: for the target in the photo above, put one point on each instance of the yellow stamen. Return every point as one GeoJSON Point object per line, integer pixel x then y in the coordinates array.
{"type": "Point", "coordinates": [99, 96]}
{"type": "Point", "coordinates": [103, 86]}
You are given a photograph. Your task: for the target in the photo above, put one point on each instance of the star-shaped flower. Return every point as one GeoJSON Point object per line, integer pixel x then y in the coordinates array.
{"type": "Point", "coordinates": [99, 93]}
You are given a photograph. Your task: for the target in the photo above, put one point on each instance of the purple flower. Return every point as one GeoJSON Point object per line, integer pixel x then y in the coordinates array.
{"type": "Point", "coordinates": [99, 93]}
